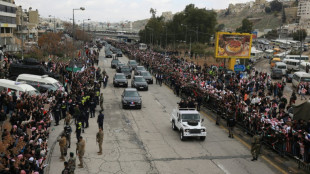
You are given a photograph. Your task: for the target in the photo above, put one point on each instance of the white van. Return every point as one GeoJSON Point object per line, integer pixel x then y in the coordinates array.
{"type": "Point", "coordinates": [292, 64]}
{"type": "Point", "coordinates": [17, 87]}
{"type": "Point", "coordinates": [282, 66]}
{"type": "Point", "coordinates": [300, 77]}
{"type": "Point", "coordinates": [303, 66]}
{"type": "Point", "coordinates": [40, 80]}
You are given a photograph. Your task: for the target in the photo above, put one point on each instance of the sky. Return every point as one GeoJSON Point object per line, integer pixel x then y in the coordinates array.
{"type": "Point", "coordinates": [116, 10]}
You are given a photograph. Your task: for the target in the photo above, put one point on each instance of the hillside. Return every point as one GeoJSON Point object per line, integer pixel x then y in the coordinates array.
{"type": "Point", "coordinates": [261, 21]}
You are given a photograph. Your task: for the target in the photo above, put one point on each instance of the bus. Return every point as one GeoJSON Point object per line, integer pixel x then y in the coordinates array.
{"type": "Point", "coordinates": [142, 46]}
{"type": "Point", "coordinates": [256, 55]}
{"type": "Point", "coordinates": [292, 64]}
{"type": "Point", "coordinates": [298, 57]}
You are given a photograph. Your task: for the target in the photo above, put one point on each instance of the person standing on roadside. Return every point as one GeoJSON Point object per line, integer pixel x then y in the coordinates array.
{"type": "Point", "coordinates": [63, 146]}
{"type": "Point", "coordinates": [66, 170]}
{"type": "Point", "coordinates": [255, 145]}
{"type": "Point", "coordinates": [78, 129]}
{"type": "Point", "coordinates": [100, 120]}
{"type": "Point", "coordinates": [230, 124]}
{"type": "Point", "coordinates": [99, 137]}
{"type": "Point", "coordinates": [71, 163]}
{"type": "Point", "coordinates": [80, 148]}
{"type": "Point", "coordinates": [101, 101]}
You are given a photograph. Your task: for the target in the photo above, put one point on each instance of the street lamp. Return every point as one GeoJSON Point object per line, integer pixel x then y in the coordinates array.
{"type": "Point", "coordinates": [54, 23]}
{"type": "Point", "coordinates": [83, 22]}
{"type": "Point", "coordinates": [81, 8]}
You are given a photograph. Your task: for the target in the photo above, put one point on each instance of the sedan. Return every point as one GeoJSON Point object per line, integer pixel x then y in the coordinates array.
{"type": "Point", "coordinates": [147, 76]}
{"type": "Point", "coordinates": [131, 98]}
{"type": "Point", "coordinates": [139, 69]}
{"type": "Point", "coordinates": [119, 79]}
{"type": "Point", "coordinates": [114, 63]}
{"type": "Point", "coordinates": [139, 83]}
{"type": "Point", "coordinates": [127, 71]}
{"type": "Point", "coordinates": [118, 67]}
{"type": "Point", "coordinates": [133, 64]}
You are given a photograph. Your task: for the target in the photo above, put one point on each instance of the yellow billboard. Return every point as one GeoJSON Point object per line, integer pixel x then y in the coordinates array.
{"type": "Point", "coordinates": [233, 45]}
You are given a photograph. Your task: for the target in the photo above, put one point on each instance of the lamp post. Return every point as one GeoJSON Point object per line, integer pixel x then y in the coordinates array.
{"type": "Point", "coordinates": [81, 8]}
{"type": "Point", "coordinates": [83, 27]}
{"type": "Point", "coordinates": [54, 22]}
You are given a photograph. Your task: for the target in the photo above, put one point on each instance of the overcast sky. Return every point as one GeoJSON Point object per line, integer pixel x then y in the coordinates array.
{"type": "Point", "coordinates": [116, 10]}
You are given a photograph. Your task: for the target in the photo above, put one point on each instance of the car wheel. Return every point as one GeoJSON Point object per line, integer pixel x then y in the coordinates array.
{"type": "Point", "coordinates": [173, 126]}
{"type": "Point", "coordinates": [202, 138]}
{"type": "Point", "coordinates": [182, 138]}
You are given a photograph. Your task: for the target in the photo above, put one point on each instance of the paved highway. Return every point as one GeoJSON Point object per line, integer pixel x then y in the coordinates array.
{"type": "Point", "coordinates": [142, 141]}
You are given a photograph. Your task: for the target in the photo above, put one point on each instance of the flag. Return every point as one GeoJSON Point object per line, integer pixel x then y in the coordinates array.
{"type": "Point", "coordinates": [79, 55]}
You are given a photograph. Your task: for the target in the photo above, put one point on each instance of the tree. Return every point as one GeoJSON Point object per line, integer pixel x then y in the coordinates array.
{"type": "Point", "coordinates": [275, 5]}
{"type": "Point", "coordinates": [300, 35]}
{"type": "Point", "coordinates": [220, 27]}
{"type": "Point", "coordinates": [247, 27]}
{"type": "Point", "coordinates": [273, 34]}
{"type": "Point", "coordinates": [267, 10]}
{"type": "Point", "coordinates": [153, 12]}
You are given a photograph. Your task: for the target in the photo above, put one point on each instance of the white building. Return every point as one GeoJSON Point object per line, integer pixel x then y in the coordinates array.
{"type": "Point", "coordinates": [7, 22]}
{"type": "Point", "coordinates": [303, 13]}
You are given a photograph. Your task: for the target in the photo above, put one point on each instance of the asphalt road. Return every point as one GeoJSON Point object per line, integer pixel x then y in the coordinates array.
{"type": "Point", "coordinates": [142, 141]}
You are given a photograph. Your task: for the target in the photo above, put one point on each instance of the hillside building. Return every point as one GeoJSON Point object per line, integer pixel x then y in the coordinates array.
{"type": "Point", "coordinates": [7, 22]}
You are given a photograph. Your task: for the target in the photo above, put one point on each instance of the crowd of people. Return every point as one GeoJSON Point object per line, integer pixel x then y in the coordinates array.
{"type": "Point", "coordinates": [257, 103]}
{"type": "Point", "coordinates": [26, 120]}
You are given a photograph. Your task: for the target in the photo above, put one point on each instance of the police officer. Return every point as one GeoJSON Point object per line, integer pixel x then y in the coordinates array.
{"type": "Point", "coordinates": [100, 119]}
{"type": "Point", "coordinates": [99, 138]}
{"type": "Point", "coordinates": [80, 148]}
{"type": "Point", "coordinates": [63, 108]}
{"type": "Point", "coordinates": [230, 125]}
{"type": "Point", "coordinates": [63, 146]}
{"type": "Point", "coordinates": [67, 131]}
{"type": "Point", "coordinates": [256, 145]}
{"type": "Point", "coordinates": [92, 108]}
{"type": "Point", "coordinates": [78, 129]}
{"type": "Point", "coordinates": [71, 163]}
{"type": "Point", "coordinates": [101, 101]}
{"type": "Point", "coordinates": [182, 104]}
{"type": "Point", "coordinates": [57, 114]}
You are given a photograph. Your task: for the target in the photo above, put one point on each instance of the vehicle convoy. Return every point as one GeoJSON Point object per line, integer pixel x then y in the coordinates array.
{"type": "Point", "coordinates": [188, 122]}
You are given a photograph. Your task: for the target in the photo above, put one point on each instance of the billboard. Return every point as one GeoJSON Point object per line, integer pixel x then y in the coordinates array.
{"type": "Point", "coordinates": [233, 45]}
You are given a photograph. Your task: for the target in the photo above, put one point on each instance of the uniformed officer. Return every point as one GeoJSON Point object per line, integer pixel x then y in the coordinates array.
{"type": "Point", "coordinates": [63, 146]}
{"type": "Point", "coordinates": [80, 148]}
{"type": "Point", "coordinates": [78, 129]}
{"type": "Point", "coordinates": [57, 114]}
{"type": "Point", "coordinates": [92, 108]}
{"type": "Point", "coordinates": [256, 145]}
{"type": "Point", "coordinates": [100, 119]}
{"type": "Point", "coordinates": [71, 163]}
{"type": "Point", "coordinates": [99, 138]}
{"type": "Point", "coordinates": [63, 109]}
{"type": "Point", "coordinates": [67, 131]}
{"type": "Point", "coordinates": [230, 124]}
{"type": "Point", "coordinates": [101, 101]}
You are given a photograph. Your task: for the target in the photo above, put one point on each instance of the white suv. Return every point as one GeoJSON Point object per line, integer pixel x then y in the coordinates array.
{"type": "Point", "coordinates": [188, 122]}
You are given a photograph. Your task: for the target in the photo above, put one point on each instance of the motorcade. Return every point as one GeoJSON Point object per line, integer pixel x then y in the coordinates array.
{"type": "Point", "coordinates": [139, 83]}
{"type": "Point", "coordinates": [139, 69]}
{"type": "Point", "coordinates": [40, 80]}
{"type": "Point", "coordinates": [276, 73]}
{"type": "Point", "coordinates": [300, 77]}
{"type": "Point", "coordinates": [147, 76]}
{"type": "Point", "coordinates": [131, 99]}
{"type": "Point", "coordinates": [18, 88]}
{"type": "Point", "coordinates": [282, 66]}
{"type": "Point", "coordinates": [188, 122]}
{"type": "Point", "coordinates": [127, 71]}
{"type": "Point", "coordinates": [133, 64]}
{"type": "Point", "coordinates": [114, 63]}
{"type": "Point", "coordinates": [120, 79]}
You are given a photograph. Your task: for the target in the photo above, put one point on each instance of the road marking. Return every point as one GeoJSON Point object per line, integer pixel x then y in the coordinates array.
{"type": "Point", "coordinates": [223, 168]}
{"type": "Point", "coordinates": [247, 145]}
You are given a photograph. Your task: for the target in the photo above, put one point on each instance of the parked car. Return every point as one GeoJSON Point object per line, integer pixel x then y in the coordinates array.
{"type": "Point", "coordinates": [120, 79]}
{"type": "Point", "coordinates": [138, 69]}
{"type": "Point", "coordinates": [114, 62]}
{"type": "Point", "coordinates": [131, 98]}
{"type": "Point", "coordinates": [139, 83]}
{"type": "Point", "coordinates": [147, 76]}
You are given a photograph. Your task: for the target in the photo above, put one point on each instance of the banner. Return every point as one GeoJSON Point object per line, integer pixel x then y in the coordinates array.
{"type": "Point", "coordinates": [233, 45]}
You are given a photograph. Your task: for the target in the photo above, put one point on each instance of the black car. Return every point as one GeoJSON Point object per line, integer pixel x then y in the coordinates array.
{"type": "Point", "coordinates": [127, 71]}
{"type": "Point", "coordinates": [140, 83]}
{"type": "Point", "coordinates": [119, 79]}
{"type": "Point", "coordinates": [289, 78]}
{"type": "Point", "coordinates": [147, 76]}
{"type": "Point", "coordinates": [138, 69]}
{"type": "Point", "coordinates": [114, 62]}
{"type": "Point", "coordinates": [119, 53]}
{"type": "Point", "coordinates": [118, 66]}
{"type": "Point", "coordinates": [133, 64]}
{"type": "Point", "coordinates": [131, 98]}
{"type": "Point", "coordinates": [108, 54]}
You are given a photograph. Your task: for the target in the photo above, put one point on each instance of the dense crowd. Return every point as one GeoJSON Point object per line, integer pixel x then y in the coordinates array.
{"type": "Point", "coordinates": [254, 100]}
{"type": "Point", "coordinates": [26, 120]}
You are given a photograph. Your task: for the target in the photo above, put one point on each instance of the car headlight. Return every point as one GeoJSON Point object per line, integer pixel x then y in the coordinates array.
{"type": "Point", "coordinates": [186, 130]}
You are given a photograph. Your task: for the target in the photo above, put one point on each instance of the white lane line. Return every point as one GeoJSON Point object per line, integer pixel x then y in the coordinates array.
{"type": "Point", "coordinates": [158, 102]}
{"type": "Point", "coordinates": [223, 168]}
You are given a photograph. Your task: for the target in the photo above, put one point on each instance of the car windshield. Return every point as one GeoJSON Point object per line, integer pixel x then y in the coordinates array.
{"type": "Point", "coordinates": [282, 67]}
{"type": "Point", "coordinates": [115, 61]}
{"type": "Point", "coordinates": [305, 79]}
{"type": "Point", "coordinates": [131, 94]}
{"type": "Point", "coordinates": [139, 79]}
{"type": "Point", "coordinates": [120, 77]}
{"type": "Point", "coordinates": [140, 68]}
{"type": "Point", "coordinates": [186, 117]}
{"type": "Point", "coordinates": [120, 64]}
{"type": "Point", "coordinates": [125, 69]}
{"type": "Point", "coordinates": [146, 74]}
{"type": "Point", "coordinates": [132, 63]}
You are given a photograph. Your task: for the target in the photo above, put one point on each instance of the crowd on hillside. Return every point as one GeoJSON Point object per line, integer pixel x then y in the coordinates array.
{"type": "Point", "coordinates": [254, 100]}
{"type": "Point", "coordinates": [26, 120]}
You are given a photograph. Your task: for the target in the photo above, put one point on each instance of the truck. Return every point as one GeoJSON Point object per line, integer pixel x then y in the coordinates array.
{"type": "Point", "coordinates": [188, 122]}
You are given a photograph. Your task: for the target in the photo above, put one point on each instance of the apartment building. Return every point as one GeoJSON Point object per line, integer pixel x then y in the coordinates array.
{"type": "Point", "coordinates": [7, 22]}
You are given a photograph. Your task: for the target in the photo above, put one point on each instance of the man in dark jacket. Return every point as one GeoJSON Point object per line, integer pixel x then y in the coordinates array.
{"type": "Point", "coordinates": [230, 124]}
{"type": "Point", "coordinates": [100, 119]}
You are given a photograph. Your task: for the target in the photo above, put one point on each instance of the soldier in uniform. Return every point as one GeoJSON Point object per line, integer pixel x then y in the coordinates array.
{"type": "Point", "coordinates": [101, 101]}
{"type": "Point", "coordinates": [68, 118]}
{"type": "Point", "coordinates": [63, 146]}
{"type": "Point", "coordinates": [80, 148]}
{"type": "Point", "coordinates": [71, 163]}
{"type": "Point", "coordinates": [66, 170]}
{"type": "Point", "coordinates": [99, 138]}
{"type": "Point", "coordinates": [255, 146]}
{"type": "Point", "coordinates": [67, 131]}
